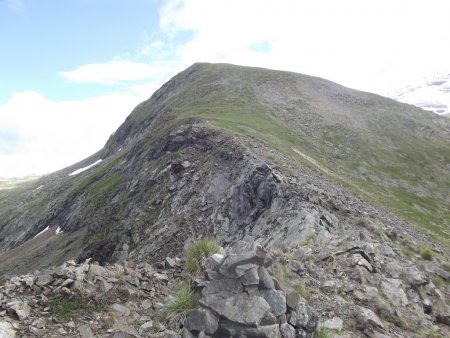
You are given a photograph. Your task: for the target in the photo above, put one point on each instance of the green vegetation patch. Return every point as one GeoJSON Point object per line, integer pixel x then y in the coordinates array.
{"type": "Point", "coordinates": [427, 254]}
{"type": "Point", "coordinates": [106, 185]}
{"type": "Point", "coordinates": [179, 303]}
{"type": "Point", "coordinates": [201, 249]}
{"type": "Point", "coordinates": [65, 309]}
{"type": "Point", "coordinates": [322, 332]}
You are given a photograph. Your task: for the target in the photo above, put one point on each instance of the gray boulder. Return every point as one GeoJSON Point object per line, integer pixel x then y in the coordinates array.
{"type": "Point", "coordinates": [223, 287]}
{"type": "Point", "coordinates": [239, 308]}
{"type": "Point", "coordinates": [392, 289]}
{"type": "Point", "coordinates": [287, 331]}
{"type": "Point", "coordinates": [20, 308]}
{"type": "Point", "coordinates": [368, 320]}
{"type": "Point", "coordinates": [276, 300]}
{"type": "Point", "coordinates": [202, 320]}
{"type": "Point", "coordinates": [7, 330]}
{"type": "Point", "coordinates": [265, 280]}
{"type": "Point", "coordinates": [232, 329]}
{"type": "Point", "coordinates": [413, 276]}
{"type": "Point", "coordinates": [304, 317]}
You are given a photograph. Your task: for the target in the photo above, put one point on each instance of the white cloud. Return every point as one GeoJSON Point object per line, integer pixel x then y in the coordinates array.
{"type": "Point", "coordinates": [114, 71]}
{"type": "Point", "coordinates": [373, 46]}
{"type": "Point", "coordinates": [51, 135]}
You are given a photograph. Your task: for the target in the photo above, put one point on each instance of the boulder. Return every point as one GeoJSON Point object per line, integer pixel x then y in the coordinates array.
{"type": "Point", "coordinates": [97, 270]}
{"type": "Point", "coordinates": [276, 299]}
{"type": "Point", "coordinates": [233, 329]}
{"type": "Point", "coordinates": [201, 320]}
{"type": "Point", "coordinates": [85, 331]}
{"type": "Point", "coordinates": [292, 299]}
{"type": "Point", "coordinates": [223, 286]}
{"type": "Point", "coordinates": [413, 276]}
{"type": "Point", "coordinates": [170, 263]}
{"type": "Point", "coordinates": [392, 289]}
{"type": "Point", "coordinates": [28, 280]}
{"type": "Point", "coordinates": [368, 320]}
{"type": "Point", "coordinates": [358, 259]}
{"type": "Point", "coordinates": [443, 318]}
{"type": "Point", "coordinates": [44, 278]}
{"type": "Point", "coordinates": [304, 317]}
{"type": "Point", "coordinates": [287, 331]}
{"type": "Point", "coordinates": [232, 261]}
{"type": "Point", "coordinates": [239, 308]}
{"type": "Point", "coordinates": [393, 270]}
{"type": "Point", "coordinates": [20, 308]}
{"type": "Point", "coordinates": [250, 276]}
{"type": "Point", "coordinates": [265, 280]}
{"type": "Point", "coordinates": [6, 330]}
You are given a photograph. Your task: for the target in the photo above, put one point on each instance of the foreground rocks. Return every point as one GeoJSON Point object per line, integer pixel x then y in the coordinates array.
{"type": "Point", "coordinates": [88, 300]}
{"type": "Point", "coordinates": [246, 291]}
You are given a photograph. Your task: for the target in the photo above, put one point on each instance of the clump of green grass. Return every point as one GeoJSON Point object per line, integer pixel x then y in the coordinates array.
{"type": "Point", "coordinates": [201, 249]}
{"type": "Point", "coordinates": [427, 254]}
{"type": "Point", "coordinates": [178, 304]}
{"type": "Point", "coordinates": [438, 282]}
{"type": "Point", "coordinates": [281, 273]}
{"type": "Point", "coordinates": [446, 266]}
{"type": "Point", "coordinates": [434, 335]}
{"type": "Point", "coordinates": [301, 290]}
{"type": "Point", "coordinates": [66, 308]}
{"type": "Point", "coordinates": [407, 253]}
{"type": "Point", "coordinates": [322, 332]}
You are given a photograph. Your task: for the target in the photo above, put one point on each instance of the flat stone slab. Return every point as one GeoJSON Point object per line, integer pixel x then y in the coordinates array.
{"type": "Point", "coordinates": [239, 308]}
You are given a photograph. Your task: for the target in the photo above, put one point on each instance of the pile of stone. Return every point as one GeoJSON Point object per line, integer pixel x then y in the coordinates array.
{"type": "Point", "coordinates": [130, 297]}
{"type": "Point", "coordinates": [239, 297]}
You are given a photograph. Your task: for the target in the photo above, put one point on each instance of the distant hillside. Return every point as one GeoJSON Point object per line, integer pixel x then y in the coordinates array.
{"type": "Point", "coordinates": [9, 183]}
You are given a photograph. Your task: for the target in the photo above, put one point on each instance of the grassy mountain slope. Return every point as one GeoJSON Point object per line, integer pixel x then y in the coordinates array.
{"type": "Point", "coordinates": [392, 154]}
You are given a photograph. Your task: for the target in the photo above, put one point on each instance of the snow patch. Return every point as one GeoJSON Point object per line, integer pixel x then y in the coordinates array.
{"type": "Point", "coordinates": [39, 188]}
{"type": "Point", "coordinates": [58, 231]}
{"type": "Point", "coordinates": [41, 232]}
{"type": "Point", "coordinates": [430, 93]}
{"type": "Point", "coordinates": [85, 168]}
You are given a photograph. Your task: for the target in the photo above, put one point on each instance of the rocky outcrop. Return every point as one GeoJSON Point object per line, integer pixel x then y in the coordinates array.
{"type": "Point", "coordinates": [239, 297]}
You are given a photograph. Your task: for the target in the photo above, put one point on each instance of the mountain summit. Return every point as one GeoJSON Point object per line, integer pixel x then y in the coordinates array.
{"type": "Point", "coordinates": [327, 175]}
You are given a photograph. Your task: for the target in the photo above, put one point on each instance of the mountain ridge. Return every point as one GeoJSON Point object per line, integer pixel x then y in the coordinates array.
{"type": "Point", "coordinates": [283, 118]}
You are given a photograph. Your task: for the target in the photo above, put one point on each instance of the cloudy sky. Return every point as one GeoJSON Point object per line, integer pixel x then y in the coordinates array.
{"type": "Point", "coordinates": [72, 70]}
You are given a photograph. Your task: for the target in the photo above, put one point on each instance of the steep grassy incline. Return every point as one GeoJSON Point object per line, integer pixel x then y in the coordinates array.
{"type": "Point", "coordinates": [392, 154]}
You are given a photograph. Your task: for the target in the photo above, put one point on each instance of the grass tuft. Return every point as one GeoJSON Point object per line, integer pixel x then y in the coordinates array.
{"type": "Point", "coordinates": [67, 308]}
{"type": "Point", "coordinates": [180, 302]}
{"type": "Point", "coordinates": [322, 332]}
{"type": "Point", "coordinates": [446, 266]}
{"type": "Point", "coordinates": [301, 290]}
{"type": "Point", "coordinates": [438, 282]}
{"type": "Point", "coordinates": [201, 249]}
{"type": "Point", "coordinates": [427, 254]}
